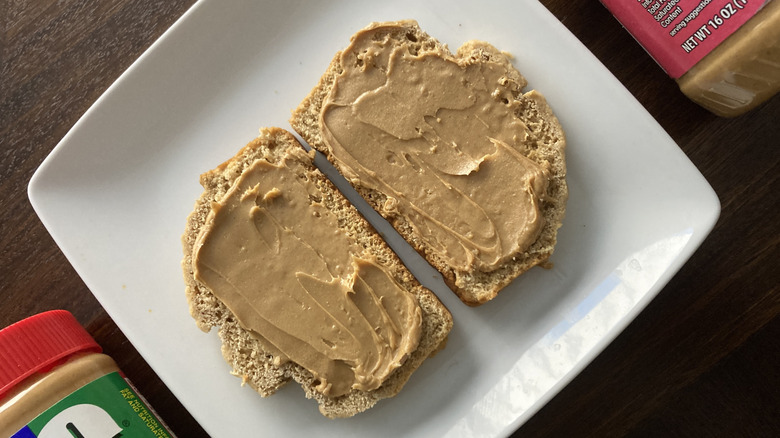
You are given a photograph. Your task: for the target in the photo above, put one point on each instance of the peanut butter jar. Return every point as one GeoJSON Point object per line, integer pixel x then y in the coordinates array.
{"type": "Point", "coordinates": [55, 381]}
{"type": "Point", "coordinates": [724, 54]}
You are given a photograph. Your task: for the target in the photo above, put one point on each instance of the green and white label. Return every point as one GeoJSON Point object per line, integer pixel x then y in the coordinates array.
{"type": "Point", "coordinates": [107, 407]}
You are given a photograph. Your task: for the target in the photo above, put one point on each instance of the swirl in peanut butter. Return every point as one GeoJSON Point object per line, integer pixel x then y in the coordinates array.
{"type": "Point", "coordinates": [275, 255]}
{"type": "Point", "coordinates": [439, 137]}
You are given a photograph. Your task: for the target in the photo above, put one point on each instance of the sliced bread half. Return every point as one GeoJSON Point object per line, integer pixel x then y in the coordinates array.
{"type": "Point", "coordinates": [373, 54]}
{"type": "Point", "coordinates": [245, 352]}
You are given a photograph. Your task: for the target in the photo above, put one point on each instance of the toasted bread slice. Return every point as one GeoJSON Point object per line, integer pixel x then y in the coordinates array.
{"type": "Point", "coordinates": [544, 144]}
{"type": "Point", "coordinates": [240, 347]}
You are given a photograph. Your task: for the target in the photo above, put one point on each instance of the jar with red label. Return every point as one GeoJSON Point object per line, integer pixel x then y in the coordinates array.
{"type": "Point", "coordinates": [724, 54]}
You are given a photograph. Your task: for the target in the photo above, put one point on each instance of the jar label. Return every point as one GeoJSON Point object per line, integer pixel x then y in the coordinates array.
{"type": "Point", "coordinates": [107, 407]}
{"type": "Point", "coordinates": [679, 33]}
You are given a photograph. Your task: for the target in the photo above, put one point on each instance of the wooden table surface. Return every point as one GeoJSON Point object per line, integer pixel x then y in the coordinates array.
{"type": "Point", "coordinates": [700, 361]}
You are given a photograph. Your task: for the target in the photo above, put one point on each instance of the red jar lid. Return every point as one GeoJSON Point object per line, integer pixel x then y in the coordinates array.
{"type": "Point", "coordinates": [38, 343]}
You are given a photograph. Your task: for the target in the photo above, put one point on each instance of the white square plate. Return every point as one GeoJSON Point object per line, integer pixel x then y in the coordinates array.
{"type": "Point", "coordinates": [115, 193]}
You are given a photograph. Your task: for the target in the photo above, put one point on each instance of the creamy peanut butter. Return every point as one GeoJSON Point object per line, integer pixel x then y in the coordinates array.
{"type": "Point", "coordinates": [43, 390]}
{"type": "Point", "coordinates": [439, 136]}
{"type": "Point", "coordinates": [743, 71]}
{"type": "Point", "coordinates": [275, 255]}
{"type": "Point", "coordinates": [724, 55]}
{"type": "Point", "coordinates": [55, 382]}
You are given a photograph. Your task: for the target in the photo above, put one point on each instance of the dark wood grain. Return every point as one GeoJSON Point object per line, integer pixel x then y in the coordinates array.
{"type": "Point", "coordinates": [702, 360]}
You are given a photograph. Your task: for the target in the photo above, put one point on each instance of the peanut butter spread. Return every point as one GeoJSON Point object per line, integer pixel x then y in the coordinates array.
{"type": "Point", "coordinates": [438, 135]}
{"type": "Point", "coordinates": [741, 72]}
{"type": "Point", "coordinates": [275, 255]}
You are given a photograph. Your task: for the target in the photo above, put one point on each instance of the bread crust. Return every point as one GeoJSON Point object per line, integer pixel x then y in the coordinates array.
{"type": "Point", "coordinates": [546, 144]}
{"type": "Point", "coordinates": [240, 348]}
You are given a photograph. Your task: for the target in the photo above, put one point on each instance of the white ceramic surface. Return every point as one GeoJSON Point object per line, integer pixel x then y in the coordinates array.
{"type": "Point", "coordinates": [115, 193]}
